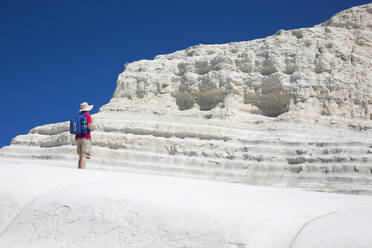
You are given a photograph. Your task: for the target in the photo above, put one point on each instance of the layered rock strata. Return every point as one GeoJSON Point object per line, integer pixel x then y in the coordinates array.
{"type": "Point", "coordinates": [292, 108]}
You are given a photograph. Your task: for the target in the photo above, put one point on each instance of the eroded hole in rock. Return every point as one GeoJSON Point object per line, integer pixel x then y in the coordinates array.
{"type": "Point", "coordinates": [298, 33]}
{"type": "Point", "coordinates": [274, 105]}
{"type": "Point", "coordinates": [272, 99]}
{"type": "Point", "coordinates": [140, 93]}
{"type": "Point", "coordinates": [184, 99]}
{"type": "Point", "coordinates": [209, 97]}
{"type": "Point", "coordinates": [141, 90]}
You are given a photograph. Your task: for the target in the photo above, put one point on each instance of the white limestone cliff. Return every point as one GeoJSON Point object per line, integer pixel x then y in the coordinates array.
{"type": "Point", "coordinates": [291, 109]}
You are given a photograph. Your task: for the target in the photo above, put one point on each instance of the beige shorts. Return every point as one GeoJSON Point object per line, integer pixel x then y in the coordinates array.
{"type": "Point", "coordinates": [83, 147]}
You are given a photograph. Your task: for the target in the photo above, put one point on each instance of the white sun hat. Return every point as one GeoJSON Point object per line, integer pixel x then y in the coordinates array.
{"type": "Point", "coordinates": [85, 107]}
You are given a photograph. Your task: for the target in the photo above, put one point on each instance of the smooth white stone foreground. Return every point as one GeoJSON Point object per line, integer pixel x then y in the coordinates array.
{"type": "Point", "coordinates": [45, 206]}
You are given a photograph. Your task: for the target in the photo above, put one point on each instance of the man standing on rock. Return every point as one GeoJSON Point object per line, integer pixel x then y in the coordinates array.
{"type": "Point", "coordinates": [84, 141]}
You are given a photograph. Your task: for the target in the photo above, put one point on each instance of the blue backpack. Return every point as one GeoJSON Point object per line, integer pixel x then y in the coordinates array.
{"type": "Point", "coordinates": [79, 124]}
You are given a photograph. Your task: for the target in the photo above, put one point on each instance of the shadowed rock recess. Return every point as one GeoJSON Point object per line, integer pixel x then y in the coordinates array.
{"type": "Point", "coordinates": [292, 109]}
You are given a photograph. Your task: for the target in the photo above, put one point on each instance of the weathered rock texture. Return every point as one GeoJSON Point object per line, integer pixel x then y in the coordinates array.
{"type": "Point", "coordinates": [291, 108]}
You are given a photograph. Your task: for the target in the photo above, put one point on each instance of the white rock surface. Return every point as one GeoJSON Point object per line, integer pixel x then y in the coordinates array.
{"type": "Point", "coordinates": [338, 229]}
{"type": "Point", "coordinates": [291, 109]}
{"type": "Point", "coordinates": [44, 206]}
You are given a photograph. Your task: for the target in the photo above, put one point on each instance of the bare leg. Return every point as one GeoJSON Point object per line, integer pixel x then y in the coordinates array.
{"type": "Point", "coordinates": [82, 162]}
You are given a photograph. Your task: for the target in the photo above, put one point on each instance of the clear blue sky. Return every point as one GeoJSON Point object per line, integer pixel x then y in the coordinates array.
{"type": "Point", "coordinates": [56, 54]}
